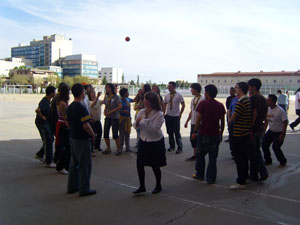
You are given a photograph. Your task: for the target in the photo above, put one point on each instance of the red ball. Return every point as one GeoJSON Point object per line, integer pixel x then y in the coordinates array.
{"type": "Point", "coordinates": [127, 39]}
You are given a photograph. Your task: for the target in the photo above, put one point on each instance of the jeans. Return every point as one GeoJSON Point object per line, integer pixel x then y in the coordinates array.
{"type": "Point", "coordinates": [173, 128]}
{"type": "Point", "coordinates": [297, 121]}
{"type": "Point", "coordinates": [47, 139]}
{"type": "Point", "coordinates": [240, 149]}
{"type": "Point", "coordinates": [80, 166]}
{"type": "Point", "coordinates": [257, 164]}
{"type": "Point", "coordinates": [193, 141]}
{"type": "Point", "coordinates": [210, 145]}
{"type": "Point", "coordinates": [270, 137]}
{"type": "Point", "coordinates": [97, 127]}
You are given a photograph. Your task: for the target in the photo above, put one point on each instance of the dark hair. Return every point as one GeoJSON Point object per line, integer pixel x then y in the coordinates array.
{"type": "Point", "coordinates": [154, 100]}
{"type": "Point", "coordinates": [87, 86]}
{"type": "Point", "coordinates": [123, 91]}
{"type": "Point", "coordinates": [112, 87]}
{"type": "Point", "coordinates": [146, 88]}
{"type": "Point", "coordinates": [77, 90]}
{"type": "Point", "coordinates": [244, 87]}
{"type": "Point", "coordinates": [138, 97]}
{"type": "Point", "coordinates": [254, 82]}
{"type": "Point", "coordinates": [59, 86]}
{"type": "Point", "coordinates": [279, 91]}
{"type": "Point", "coordinates": [158, 89]}
{"type": "Point", "coordinates": [172, 83]}
{"type": "Point", "coordinates": [297, 90]}
{"type": "Point", "coordinates": [211, 90]}
{"type": "Point", "coordinates": [196, 86]}
{"type": "Point", "coordinates": [49, 90]}
{"type": "Point", "coordinates": [232, 88]}
{"type": "Point", "coordinates": [63, 93]}
{"type": "Point", "coordinates": [273, 97]}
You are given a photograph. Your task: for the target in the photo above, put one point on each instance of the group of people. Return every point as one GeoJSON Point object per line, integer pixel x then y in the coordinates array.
{"type": "Point", "coordinates": [78, 130]}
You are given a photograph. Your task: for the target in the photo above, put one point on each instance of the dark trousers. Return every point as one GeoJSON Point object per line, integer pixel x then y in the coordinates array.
{"type": "Point", "coordinates": [193, 141]}
{"type": "Point", "coordinates": [207, 145]}
{"type": "Point", "coordinates": [269, 138]}
{"type": "Point", "coordinates": [173, 128]}
{"type": "Point", "coordinates": [47, 139]}
{"type": "Point", "coordinates": [63, 151]}
{"type": "Point", "coordinates": [240, 149]}
{"type": "Point", "coordinates": [257, 164]}
{"type": "Point", "coordinates": [80, 166]}
{"type": "Point", "coordinates": [141, 174]}
{"type": "Point", "coordinates": [297, 121]}
{"type": "Point", "coordinates": [114, 124]}
{"type": "Point", "coordinates": [97, 127]}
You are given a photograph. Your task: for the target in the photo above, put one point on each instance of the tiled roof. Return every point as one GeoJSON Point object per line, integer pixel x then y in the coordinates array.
{"type": "Point", "coordinates": [251, 74]}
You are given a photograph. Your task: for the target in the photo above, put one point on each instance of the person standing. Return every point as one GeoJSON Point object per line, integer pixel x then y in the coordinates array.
{"type": "Point", "coordinates": [282, 100]}
{"type": "Point", "coordinates": [62, 134]}
{"type": "Point", "coordinates": [297, 108]}
{"type": "Point", "coordinates": [210, 127]}
{"type": "Point", "coordinates": [196, 91]}
{"type": "Point", "coordinates": [112, 116]}
{"type": "Point", "coordinates": [125, 120]}
{"type": "Point", "coordinates": [259, 111]}
{"type": "Point", "coordinates": [173, 113]}
{"type": "Point", "coordinates": [151, 151]}
{"type": "Point", "coordinates": [95, 110]}
{"type": "Point", "coordinates": [228, 101]}
{"type": "Point", "coordinates": [277, 121]}
{"type": "Point", "coordinates": [43, 125]}
{"type": "Point", "coordinates": [81, 135]}
{"type": "Point", "coordinates": [156, 89]}
{"type": "Point", "coordinates": [241, 121]}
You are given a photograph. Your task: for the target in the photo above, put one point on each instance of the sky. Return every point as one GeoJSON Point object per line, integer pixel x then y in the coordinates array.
{"type": "Point", "coordinates": [170, 39]}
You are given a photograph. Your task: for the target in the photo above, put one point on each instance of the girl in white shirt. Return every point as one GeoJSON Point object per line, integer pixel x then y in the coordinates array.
{"type": "Point", "coordinates": [151, 150]}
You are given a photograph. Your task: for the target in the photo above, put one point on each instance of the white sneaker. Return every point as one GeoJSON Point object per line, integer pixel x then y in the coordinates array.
{"type": "Point", "coordinates": [63, 171]}
{"type": "Point", "coordinates": [237, 186]}
{"type": "Point", "coordinates": [51, 165]}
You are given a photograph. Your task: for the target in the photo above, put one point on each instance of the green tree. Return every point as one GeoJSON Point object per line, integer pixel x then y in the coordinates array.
{"type": "Point", "coordinates": [68, 80]}
{"type": "Point", "coordinates": [80, 79]}
{"type": "Point", "coordinates": [123, 79]}
{"type": "Point", "coordinates": [104, 80]}
{"type": "Point", "coordinates": [132, 82]}
{"type": "Point", "coordinates": [19, 79]}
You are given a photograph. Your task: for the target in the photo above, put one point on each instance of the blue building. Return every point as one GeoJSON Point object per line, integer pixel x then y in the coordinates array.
{"type": "Point", "coordinates": [81, 64]}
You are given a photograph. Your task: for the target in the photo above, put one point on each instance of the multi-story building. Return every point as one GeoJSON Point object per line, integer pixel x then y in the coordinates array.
{"type": "Point", "coordinates": [44, 52]}
{"type": "Point", "coordinates": [113, 75]}
{"type": "Point", "coordinates": [286, 80]}
{"type": "Point", "coordinates": [81, 64]}
{"type": "Point", "coordinates": [10, 63]}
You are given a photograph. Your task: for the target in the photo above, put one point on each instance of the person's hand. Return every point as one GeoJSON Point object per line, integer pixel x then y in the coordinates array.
{"type": "Point", "coordinates": [281, 137]}
{"type": "Point", "coordinates": [98, 94]}
{"type": "Point", "coordinates": [93, 139]}
{"type": "Point", "coordinates": [107, 113]}
{"type": "Point", "coordinates": [186, 125]}
{"type": "Point", "coordinates": [194, 136]}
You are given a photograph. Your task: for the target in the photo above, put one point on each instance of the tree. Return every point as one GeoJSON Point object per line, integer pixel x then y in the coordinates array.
{"type": "Point", "coordinates": [104, 80]}
{"type": "Point", "coordinates": [132, 82]}
{"type": "Point", "coordinates": [123, 79]}
{"type": "Point", "coordinates": [80, 79]}
{"type": "Point", "coordinates": [68, 80]}
{"type": "Point", "coordinates": [20, 79]}
{"type": "Point", "coordinates": [138, 80]}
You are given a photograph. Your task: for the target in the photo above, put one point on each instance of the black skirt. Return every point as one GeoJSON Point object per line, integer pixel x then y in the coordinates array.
{"type": "Point", "coordinates": [152, 153]}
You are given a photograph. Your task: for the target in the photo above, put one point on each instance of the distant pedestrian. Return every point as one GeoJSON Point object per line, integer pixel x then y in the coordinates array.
{"type": "Point", "coordinates": [43, 125]}
{"type": "Point", "coordinates": [196, 91]}
{"type": "Point", "coordinates": [241, 121]}
{"type": "Point", "coordinates": [173, 114]}
{"type": "Point", "coordinates": [297, 108]}
{"type": "Point", "coordinates": [210, 127]}
{"type": "Point", "coordinates": [125, 120]}
{"type": "Point", "coordinates": [81, 136]}
{"type": "Point", "coordinates": [228, 101]}
{"type": "Point", "coordinates": [151, 150]}
{"type": "Point", "coordinates": [277, 121]}
{"type": "Point", "coordinates": [95, 109]}
{"type": "Point", "coordinates": [112, 117]}
{"type": "Point", "coordinates": [282, 100]}
{"type": "Point", "coordinates": [259, 111]}
{"type": "Point", "coordinates": [62, 140]}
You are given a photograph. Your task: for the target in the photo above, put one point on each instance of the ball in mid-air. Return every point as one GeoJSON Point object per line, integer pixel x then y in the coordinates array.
{"type": "Point", "coordinates": [127, 39]}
